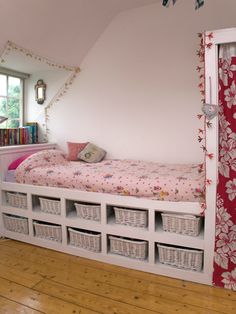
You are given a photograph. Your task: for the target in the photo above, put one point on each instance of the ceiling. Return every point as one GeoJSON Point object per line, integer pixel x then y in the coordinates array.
{"type": "Point", "coordinates": [63, 30]}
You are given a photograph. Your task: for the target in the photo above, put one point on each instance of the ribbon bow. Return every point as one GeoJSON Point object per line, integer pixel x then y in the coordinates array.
{"type": "Point", "coordinates": [198, 3]}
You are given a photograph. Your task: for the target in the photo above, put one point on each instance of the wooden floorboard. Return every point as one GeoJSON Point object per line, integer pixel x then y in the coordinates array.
{"type": "Point", "coordinates": [140, 277]}
{"type": "Point", "coordinates": [118, 287]}
{"type": "Point", "coordinates": [47, 281]}
{"type": "Point", "coordinates": [10, 307]}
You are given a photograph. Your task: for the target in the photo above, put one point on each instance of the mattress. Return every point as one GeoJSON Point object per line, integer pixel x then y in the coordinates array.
{"type": "Point", "coordinates": [10, 176]}
{"type": "Point", "coordinates": [158, 181]}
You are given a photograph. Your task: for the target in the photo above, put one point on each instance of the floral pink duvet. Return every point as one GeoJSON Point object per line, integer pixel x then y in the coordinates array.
{"type": "Point", "coordinates": [169, 182]}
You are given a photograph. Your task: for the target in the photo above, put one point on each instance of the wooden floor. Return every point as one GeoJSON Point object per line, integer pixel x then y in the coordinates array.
{"type": "Point", "coordinates": [37, 280]}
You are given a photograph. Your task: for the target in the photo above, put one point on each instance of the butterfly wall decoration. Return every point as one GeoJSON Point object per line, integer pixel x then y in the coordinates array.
{"type": "Point", "coordinates": [198, 3]}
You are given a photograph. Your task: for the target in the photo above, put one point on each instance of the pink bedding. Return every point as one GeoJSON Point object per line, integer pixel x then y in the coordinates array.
{"type": "Point", "coordinates": [151, 180]}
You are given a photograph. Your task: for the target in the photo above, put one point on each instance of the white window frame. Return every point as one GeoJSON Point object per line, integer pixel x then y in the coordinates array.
{"type": "Point", "coordinates": [22, 76]}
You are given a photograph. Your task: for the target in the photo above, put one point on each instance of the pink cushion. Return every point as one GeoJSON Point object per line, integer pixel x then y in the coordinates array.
{"type": "Point", "coordinates": [74, 149]}
{"type": "Point", "coordinates": [17, 162]}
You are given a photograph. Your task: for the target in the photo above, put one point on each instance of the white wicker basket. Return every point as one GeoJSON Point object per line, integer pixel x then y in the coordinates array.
{"type": "Point", "coordinates": [180, 257]}
{"type": "Point", "coordinates": [16, 223]}
{"type": "Point", "coordinates": [184, 224]}
{"type": "Point", "coordinates": [50, 206]}
{"type": "Point", "coordinates": [128, 247]}
{"type": "Point", "coordinates": [88, 211]}
{"type": "Point", "coordinates": [17, 199]}
{"type": "Point", "coordinates": [47, 231]}
{"type": "Point", "coordinates": [85, 239]}
{"type": "Point", "coordinates": [131, 217]}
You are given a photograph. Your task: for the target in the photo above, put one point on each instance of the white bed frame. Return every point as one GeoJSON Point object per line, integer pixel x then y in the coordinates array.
{"type": "Point", "coordinates": [153, 233]}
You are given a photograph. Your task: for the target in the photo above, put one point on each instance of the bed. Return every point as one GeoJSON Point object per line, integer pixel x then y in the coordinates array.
{"type": "Point", "coordinates": [157, 181]}
{"type": "Point", "coordinates": [133, 187]}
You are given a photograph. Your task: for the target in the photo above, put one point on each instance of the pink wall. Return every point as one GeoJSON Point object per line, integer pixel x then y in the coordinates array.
{"type": "Point", "coordinates": [137, 94]}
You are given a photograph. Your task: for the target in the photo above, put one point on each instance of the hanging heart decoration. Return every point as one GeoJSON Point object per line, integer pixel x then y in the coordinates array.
{"type": "Point", "coordinates": [210, 111]}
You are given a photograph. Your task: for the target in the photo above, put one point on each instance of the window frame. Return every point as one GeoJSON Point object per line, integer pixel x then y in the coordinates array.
{"type": "Point", "coordinates": [22, 76]}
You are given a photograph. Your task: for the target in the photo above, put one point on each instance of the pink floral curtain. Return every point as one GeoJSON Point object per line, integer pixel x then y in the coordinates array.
{"type": "Point", "coordinates": [225, 244]}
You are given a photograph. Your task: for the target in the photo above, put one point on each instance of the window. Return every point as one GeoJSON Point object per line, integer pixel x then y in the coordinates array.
{"type": "Point", "coordinates": [11, 100]}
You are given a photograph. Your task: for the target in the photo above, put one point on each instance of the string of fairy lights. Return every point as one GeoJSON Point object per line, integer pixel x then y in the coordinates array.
{"type": "Point", "coordinates": [205, 43]}
{"type": "Point", "coordinates": [10, 46]}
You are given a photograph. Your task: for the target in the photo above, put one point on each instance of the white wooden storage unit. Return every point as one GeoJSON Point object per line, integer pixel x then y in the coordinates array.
{"type": "Point", "coordinates": [66, 221]}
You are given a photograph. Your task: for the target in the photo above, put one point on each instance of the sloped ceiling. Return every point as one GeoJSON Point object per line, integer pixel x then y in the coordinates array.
{"type": "Point", "coordinates": [63, 30]}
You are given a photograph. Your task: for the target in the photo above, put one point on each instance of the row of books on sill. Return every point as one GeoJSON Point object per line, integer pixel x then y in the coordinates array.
{"type": "Point", "coordinates": [27, 134]}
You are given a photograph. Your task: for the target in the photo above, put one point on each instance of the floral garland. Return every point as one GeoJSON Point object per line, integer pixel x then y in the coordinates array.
{"type": "Point", "coordinates": [205, 42]}
{"type": "Point", "coordinates": [10, 46]}
{"type": "Point", "coordinates": [62, 91]}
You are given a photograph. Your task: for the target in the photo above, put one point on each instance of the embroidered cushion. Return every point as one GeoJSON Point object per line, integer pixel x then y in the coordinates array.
{"type": "Point", "coordinates": [92, 153]}
{"type": "Point", "coordinates": [74, 149]}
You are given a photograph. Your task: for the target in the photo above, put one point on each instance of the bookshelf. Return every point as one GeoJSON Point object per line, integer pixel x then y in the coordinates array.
{"type": "Point", "coordinates": [27, 134]}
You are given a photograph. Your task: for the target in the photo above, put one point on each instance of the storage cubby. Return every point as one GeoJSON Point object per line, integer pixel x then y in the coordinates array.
{"type": "Point", "coordinates": [158, 222]}
{"type": "Point", "coordinates": [131, 236]}
{"type": "Point", "coordinates": [179, 223]}
{"type": "Point", "coordinates": [130, 248]}
{"type": "Point", "coordinates": [49, 231]}
{"type": "Point", "coordinates": [85, 239]}
{"type": "Point", "coordinates": [179, 257]}
{"type": "Point", "coordinates": [130, 217]}
{"type": "Point", "coordinates": [83, 210]}
{"type": "Point", "coordinates": [15, 223]}
{"type": "Point", "coordinates": [14, 199]}
{"type": "Point", "coordinates": [48, 205]}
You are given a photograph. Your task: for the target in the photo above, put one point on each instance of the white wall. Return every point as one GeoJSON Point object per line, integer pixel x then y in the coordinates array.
{"type": "Point", "coordinates": [34, 112]}
{"type": "Point", "coordinates": [137, 94]}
